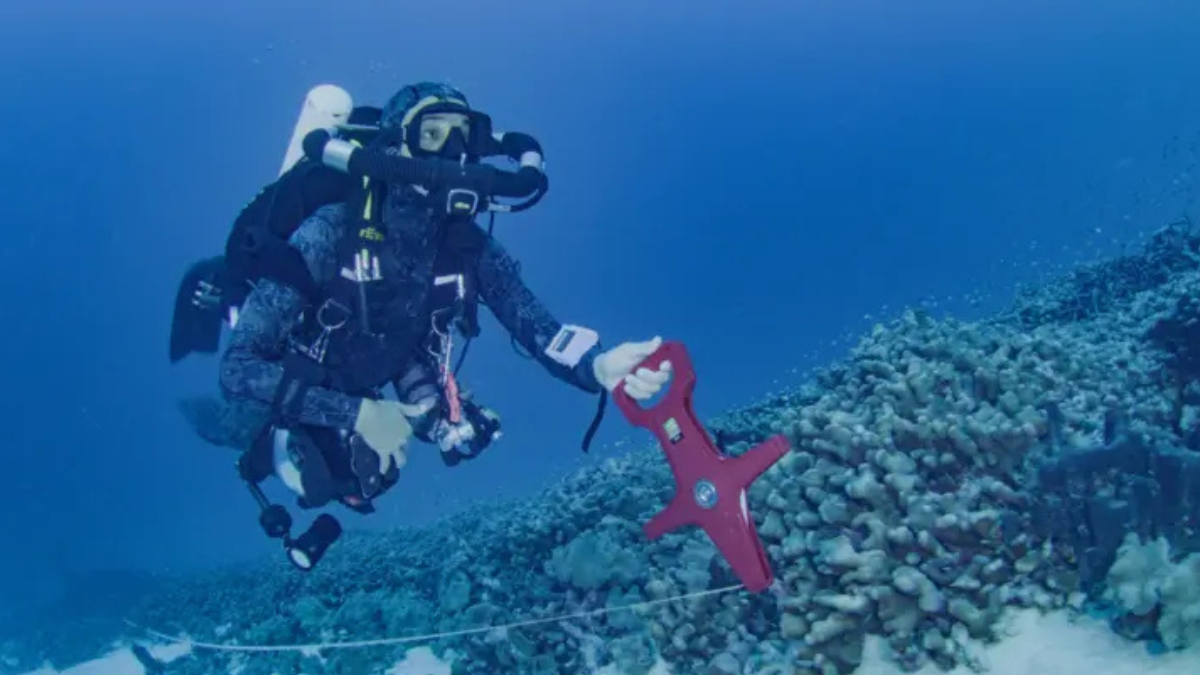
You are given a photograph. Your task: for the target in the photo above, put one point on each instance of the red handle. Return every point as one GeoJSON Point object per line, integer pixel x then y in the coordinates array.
{"type": "Point", "coordinates": [683, 381]}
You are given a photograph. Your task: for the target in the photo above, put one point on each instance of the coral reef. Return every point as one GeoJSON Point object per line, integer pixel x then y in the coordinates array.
{"type": "Point", "coordinates": [944, 472]}
{"type": "Point", "coordinates": [1145, 584]}
{"type": "Point", "coordinates": [1092, 498]}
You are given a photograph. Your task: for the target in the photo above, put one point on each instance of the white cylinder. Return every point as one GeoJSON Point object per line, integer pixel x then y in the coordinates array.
{"type": "Point", "coordinates": [326, 106]}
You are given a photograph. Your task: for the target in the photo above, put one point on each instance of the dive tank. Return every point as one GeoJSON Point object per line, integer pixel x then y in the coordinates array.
{"type": "Point", "coordinates": [326, 106]}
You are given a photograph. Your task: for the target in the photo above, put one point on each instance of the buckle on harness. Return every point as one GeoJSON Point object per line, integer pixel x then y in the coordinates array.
{"type": "Point", "coordinates": [462, 202]}
{"type": "Point", "coordinates": [331, 316]}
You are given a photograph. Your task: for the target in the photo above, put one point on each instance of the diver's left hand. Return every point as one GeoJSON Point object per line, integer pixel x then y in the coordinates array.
{"type": "Point", "coordinates": [617, 364]}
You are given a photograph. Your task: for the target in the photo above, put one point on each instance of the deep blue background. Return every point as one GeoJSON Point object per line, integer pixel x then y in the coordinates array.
{"type": "Point", "coordinates": [761, 180]}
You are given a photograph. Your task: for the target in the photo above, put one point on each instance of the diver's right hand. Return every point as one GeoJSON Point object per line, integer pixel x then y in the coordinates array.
{"type": "Point", "coordinates": [384, 426]}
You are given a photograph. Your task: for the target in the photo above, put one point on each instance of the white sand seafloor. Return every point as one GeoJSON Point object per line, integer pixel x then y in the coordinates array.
{"type": "Point", "coordinates": [1053, 643]}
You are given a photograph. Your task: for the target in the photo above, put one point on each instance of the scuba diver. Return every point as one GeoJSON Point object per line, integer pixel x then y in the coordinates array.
{"type": "Point", "coordinates": [375, 266]}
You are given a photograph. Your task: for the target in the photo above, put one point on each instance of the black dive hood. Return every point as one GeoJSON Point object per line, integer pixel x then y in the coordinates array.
{"type": "Point", "coordinates": [379, 160]}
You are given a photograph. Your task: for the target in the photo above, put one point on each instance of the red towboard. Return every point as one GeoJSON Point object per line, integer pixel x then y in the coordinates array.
{"type": "Point", "coordinates": [710, 486]}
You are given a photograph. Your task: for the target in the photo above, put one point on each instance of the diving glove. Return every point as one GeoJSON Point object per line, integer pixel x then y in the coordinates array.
{"type": "Point", "coordinates": [383, 425]}
{"type": "Point", "coordinates": [617, 364]}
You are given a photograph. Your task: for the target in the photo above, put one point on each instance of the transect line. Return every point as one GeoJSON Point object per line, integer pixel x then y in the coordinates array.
{"type": "Point", "coordinates": [361, 644]}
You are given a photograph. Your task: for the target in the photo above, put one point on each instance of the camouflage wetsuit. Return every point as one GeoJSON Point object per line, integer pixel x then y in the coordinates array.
{"type": "Point", "coordinates": [250, 368]}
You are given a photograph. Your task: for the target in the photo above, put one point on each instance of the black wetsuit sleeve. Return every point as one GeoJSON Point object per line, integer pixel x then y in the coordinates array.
{"type": "Point", "coordinates": [525, 317]}
{"type": "Point", "coordinates": [251, 367]}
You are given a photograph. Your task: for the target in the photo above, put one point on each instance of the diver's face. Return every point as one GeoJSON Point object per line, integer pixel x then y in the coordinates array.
{"type": "Point", "coordinates": [436, 128]}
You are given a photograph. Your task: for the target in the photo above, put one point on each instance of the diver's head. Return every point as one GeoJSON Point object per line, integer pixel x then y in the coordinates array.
{"type": "Point", "coordinates": [435, 120]}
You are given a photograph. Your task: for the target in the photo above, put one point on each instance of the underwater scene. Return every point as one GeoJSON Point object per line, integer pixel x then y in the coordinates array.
{"type": "Point", "coordinates": [762, 338]}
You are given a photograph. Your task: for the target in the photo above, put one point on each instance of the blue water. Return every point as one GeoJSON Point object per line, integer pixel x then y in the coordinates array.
{"type": "Point", "coordinates": [761, 180]}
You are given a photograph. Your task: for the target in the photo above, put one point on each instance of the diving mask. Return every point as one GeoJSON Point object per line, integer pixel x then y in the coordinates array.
{"type": "Point", "coordinates": [449, 130]}
{"type": "Point", "coordinates": [445, 133]}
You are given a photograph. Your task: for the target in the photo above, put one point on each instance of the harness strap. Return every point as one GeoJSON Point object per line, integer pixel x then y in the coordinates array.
{"type": "Point", "coordinates": [300, 374]}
